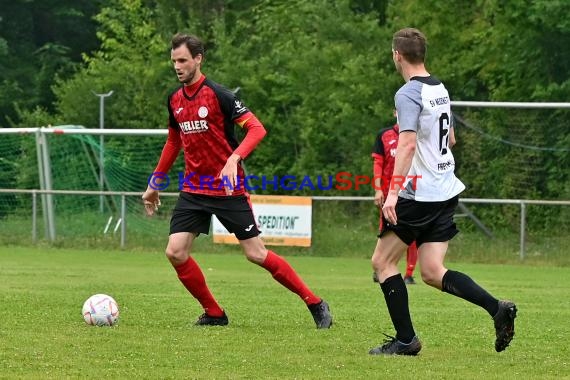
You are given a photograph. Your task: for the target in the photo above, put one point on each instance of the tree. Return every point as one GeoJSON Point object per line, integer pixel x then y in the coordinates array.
{"type": "Point", "coordinates": [40, 40]}
{"type": "Point", "coordinates": [314, 73]}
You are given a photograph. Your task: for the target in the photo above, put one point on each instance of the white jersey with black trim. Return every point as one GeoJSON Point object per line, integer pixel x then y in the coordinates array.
{"type": "Point", "coordinates": [424, 107]}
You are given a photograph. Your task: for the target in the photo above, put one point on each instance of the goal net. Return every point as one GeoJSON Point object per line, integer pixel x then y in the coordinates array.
{"type": "Point", "coordinates": [514, 151]}
{"type": "Point", "coordinates": [74, 163]}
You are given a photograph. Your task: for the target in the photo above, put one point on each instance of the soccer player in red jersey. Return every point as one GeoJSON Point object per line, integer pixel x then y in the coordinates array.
{"type": "Point", "coordinates": [384, 154]}
{"type": "Point", "coordinates": [202, 116]}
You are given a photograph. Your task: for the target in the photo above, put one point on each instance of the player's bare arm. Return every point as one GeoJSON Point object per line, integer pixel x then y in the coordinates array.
{"type": "Point", "coordinates": [452, 139]}
{"type": "Point", "coordinates": [403, 162]}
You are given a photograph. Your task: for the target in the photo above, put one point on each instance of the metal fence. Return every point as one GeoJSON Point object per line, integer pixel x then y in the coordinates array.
{"type": "Point", "coordinates": [50, 227]}
{"type": "Point", "coordinates": [46, 191]}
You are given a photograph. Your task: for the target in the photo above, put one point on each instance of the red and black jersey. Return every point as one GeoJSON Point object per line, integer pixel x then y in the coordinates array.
{"type": "Point", "coordinates": [384, 154]}
{"type": "Point", "coordinates": [203, 115]}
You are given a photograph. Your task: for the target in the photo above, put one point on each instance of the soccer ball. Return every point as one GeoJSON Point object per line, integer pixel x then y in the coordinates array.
{"type": "Point", "coordinates": [101, 310]}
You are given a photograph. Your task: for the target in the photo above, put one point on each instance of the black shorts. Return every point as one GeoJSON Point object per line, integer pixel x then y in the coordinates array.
{"type": "Point", "coordinates": [423, 222]}
{"type": "Point", "coordinates": [193, 213]}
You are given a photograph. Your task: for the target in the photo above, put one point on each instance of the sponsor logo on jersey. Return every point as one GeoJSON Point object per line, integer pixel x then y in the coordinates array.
{"type": "Point", "coordinates": [239, 107]}
{"type": "Point", "coordinates": [439, 101]}
{"type": "Point", "coordinates": [193, 126]}
{"type": "Point", "coordinates": [444, 166]}
{"type": "Point", "coordinates": [202, 112]}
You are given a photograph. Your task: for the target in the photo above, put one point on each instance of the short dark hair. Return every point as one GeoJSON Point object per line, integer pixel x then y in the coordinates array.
{"type": "Point", "coordinates": [410, 43]}
{"type": "Point", "coordinates": [193, 43]}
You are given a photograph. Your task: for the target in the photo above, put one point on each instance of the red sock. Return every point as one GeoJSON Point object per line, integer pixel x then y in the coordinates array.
{"type": "Point", "coordinates": [193, 279]}
{"type": "Point", "coordinates": [412, 257]}
{"type": "Point", "coordinates": [286, 276]}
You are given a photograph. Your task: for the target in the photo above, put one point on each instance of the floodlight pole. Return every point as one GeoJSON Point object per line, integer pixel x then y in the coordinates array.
{"type": "Point", "coordinates": [101, 142]}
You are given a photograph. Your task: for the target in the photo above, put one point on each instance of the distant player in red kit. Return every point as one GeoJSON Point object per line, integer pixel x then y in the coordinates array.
{"type": "Point", "coordinates": [384, 154]}
{"type": "Point", "coordinates": [202, 118]}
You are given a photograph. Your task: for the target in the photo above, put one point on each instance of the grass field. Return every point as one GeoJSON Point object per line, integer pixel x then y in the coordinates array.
{"type": "Point", "coordinates": [271, 333]}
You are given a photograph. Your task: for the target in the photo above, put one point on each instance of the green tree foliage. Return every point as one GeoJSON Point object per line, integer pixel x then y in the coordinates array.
{"type": "Point", "coordinates": [132, 62]}
{"type": "Point", "coordinates": [40, 40]}
{"type": "Point", "coordinates": [318, 74]}
{"type": "Point", "coordinates": [315, 74]}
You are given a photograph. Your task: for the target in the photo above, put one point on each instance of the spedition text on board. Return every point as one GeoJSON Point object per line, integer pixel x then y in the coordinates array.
{"type": "Point", "coordinates": [277, 222]}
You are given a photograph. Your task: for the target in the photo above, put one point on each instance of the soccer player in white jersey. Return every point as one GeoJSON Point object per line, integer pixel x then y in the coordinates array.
{"type": "Point", "coordinates": [421, 208]}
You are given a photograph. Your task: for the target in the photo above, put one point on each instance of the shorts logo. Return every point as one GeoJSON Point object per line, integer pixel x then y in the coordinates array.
{"type": "Point", "coordinates": [202, 112]}
{"type": "Point", "coordinates": [249, 228]}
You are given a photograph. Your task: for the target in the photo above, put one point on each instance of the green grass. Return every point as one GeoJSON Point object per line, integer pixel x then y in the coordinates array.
{"type": "Point", "coordinates": [271, 334]}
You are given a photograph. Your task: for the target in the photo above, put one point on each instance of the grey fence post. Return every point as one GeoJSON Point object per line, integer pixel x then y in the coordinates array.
{"type": "Point", "coordinates": [523, 229]}
{"type": "Point", "coordinates": [34, 216]}
{"type": "Point", "coordinates": [123, 220]}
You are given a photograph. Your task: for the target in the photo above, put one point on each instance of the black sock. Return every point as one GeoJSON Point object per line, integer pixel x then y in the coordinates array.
{"type": "Point", "coordinates": [463, 286]}
{"type": "Point", "coordinates": [396, 296]}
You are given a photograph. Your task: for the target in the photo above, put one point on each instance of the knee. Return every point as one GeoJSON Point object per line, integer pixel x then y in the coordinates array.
{"type": "Point", "coordinates": [431, 276]}
{"type": "Point", "coordinates": [256, 255]}
{"type": "Point", "coordinates": [175, 254]}
{"type": "Point", "coordinates": [378, 262]}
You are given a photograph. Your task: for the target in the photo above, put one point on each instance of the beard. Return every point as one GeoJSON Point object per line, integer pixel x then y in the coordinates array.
{"type": "Point", "coordinates": [188, 77]}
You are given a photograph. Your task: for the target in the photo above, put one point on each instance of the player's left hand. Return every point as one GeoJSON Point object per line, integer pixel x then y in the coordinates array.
{"type": "Point", "coordinates": [389, 208]}
{"type": "Point", "coordinates": [228, 175]}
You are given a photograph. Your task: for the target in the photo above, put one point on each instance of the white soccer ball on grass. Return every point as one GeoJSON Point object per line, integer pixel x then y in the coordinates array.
{"type": "Point", "coordinates": [101, 310]}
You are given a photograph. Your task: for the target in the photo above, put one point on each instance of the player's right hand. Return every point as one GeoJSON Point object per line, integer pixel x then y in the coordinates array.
{"type": "Point", "coordinates": [151, 201]}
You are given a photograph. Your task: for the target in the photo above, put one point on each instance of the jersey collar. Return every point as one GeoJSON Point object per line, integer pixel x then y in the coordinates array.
{"type": "Point", "coordinates": [191, 90]}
